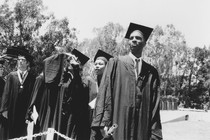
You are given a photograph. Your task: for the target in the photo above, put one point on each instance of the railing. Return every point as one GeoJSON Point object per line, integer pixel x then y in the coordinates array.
{"type": "Point", "coordinates": [168, 105]}
{"type": "Point", "coordinates": [49, 133]}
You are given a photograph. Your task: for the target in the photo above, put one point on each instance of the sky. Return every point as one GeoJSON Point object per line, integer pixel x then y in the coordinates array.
{"type": "Point", "coordinates": [191, 17]}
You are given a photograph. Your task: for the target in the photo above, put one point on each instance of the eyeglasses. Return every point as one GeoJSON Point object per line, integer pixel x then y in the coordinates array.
{"type": "Point", "coordinates": [21, 59]}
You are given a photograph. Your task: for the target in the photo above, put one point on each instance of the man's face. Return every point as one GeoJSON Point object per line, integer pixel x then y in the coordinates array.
{"type": "Point", "coordinates": [22, 63]}
{"type": "Point", "coordinates": [136, 42]}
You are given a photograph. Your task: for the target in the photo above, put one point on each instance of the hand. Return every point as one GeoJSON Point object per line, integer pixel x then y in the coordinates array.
{"type": "Point", "coordinates": [73, 59]}
{"type": "Point", "coordinates": [27, 121]}
{"type": "Point", "coordinates": [5, 114]}
{"type": "Point", "coordinates": [106, 130]}
{"type": "Point", "coordinates": [109, 131]}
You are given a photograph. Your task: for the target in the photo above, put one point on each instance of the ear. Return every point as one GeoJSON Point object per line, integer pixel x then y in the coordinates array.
{"type": "Point", "coordinates": [28, 63]}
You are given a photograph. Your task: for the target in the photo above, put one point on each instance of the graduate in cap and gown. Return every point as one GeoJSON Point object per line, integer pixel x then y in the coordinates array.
{"type": "Point", "coordinates": [54, 93]}
{"type": "Point", "coordinates": [17, 93]}
{"type": "Point", "coordinates": [75, 113]}
{"type": "Point", "coordinates": [100, 60]}
{"type": "Point", "coordinates": [45, 104]}
{"type": "Point", "coordinates": [128, 95]}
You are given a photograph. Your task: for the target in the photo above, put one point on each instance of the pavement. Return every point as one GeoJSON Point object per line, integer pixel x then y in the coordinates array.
{"type": "Point", "coordinates": [186, 124]}
{"type": "Point", "coordinates": [182, 124]}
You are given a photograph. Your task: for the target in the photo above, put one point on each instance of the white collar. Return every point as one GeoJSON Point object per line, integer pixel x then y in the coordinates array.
{"type": "Point", "coordinates": [134, 57]}
{"type": "Point", "coordinates": [24, 72]}
{"type": "Point", "coordinates": [134, 60]}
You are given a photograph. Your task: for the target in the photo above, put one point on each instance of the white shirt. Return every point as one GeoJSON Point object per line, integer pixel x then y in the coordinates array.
{"type": "Point", "coordinates": [22, 79]}
{"type": "Point", "coordinates": [22, 72]}
{"type": "Point", "coordinates": [134, 60]}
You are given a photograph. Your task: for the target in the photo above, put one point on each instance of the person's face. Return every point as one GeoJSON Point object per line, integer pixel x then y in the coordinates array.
{"type": "Point", "coordinates": [22, 63]}
{"type": "Point", "coordinates": [99, 66]}
{"type": "Point", "coordinates": [136, 42]}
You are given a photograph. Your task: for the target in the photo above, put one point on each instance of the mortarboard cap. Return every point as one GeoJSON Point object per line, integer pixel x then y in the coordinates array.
{"type": "Point", "coordinates": [16, 51]}
{"type": "Point", "coordinates": [101, 53]}
{"type": "Point", "coordinates": [145, 30]}
{"type": "Point", "coordinates": [81, 57]}
{"type": "Point", "coordinates": [11, 52]}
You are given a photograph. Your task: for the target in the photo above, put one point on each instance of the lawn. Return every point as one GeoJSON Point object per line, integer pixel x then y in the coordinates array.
{"type": "Point", "coordinates": [176, 127]}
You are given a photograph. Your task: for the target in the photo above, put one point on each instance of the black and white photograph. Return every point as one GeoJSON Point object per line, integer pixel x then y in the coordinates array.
{"type": "Point", "coordinates": [104, 70]}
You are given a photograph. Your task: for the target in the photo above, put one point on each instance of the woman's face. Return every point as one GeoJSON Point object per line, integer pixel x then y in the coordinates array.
{"type": "Point", "coordinates": [99, 66]}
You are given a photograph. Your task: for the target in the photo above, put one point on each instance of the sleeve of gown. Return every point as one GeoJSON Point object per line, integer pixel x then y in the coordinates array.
{"type": "Point", "coordinates": [5, 95]}
{"type": "Point", "coordinates": [36, 96]}
{"type": "Point", "coordinates": [103, 109]}
{"type": "Point", "coordinates": [156, 122]}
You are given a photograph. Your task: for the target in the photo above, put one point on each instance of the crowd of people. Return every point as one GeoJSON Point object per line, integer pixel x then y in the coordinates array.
{"type": "Point", "coordinates": [120, 103]}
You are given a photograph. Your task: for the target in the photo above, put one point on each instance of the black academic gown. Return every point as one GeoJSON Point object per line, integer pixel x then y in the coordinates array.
{"type": "Point", "coordinates": [93, 90]}
{"type": "Point", "coordinates": [2, 83]}
{"type": "Point", "coordinates": [132, 104]}
{"type": "Point", "coordinates": [15, 100]}
{"type": "Point", "coordinates": [45, 95]}
{"type": "Point", "coordinates": [2, 119]}
{"type": "Point", "coordinates": [61, 100]}
{"type": "Point", "coordinates": [75, 111]}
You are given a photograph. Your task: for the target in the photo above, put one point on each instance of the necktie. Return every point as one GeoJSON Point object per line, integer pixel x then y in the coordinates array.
{"type": "Point", "coordinates": [22, 75]}
{"type": "Point", "coordinates": [137, 65]}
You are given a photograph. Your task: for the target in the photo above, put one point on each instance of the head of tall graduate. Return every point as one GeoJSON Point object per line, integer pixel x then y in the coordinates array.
{"type": "Point", "coordinates": [137, 36]}
{"type": "Point", "coordinates": [100, 60]}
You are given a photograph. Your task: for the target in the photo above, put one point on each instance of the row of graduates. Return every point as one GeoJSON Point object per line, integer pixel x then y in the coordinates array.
{"type": "Point", "coordinates": [58, 98]}
{"type": "Point", "coordinates": [127, 96]}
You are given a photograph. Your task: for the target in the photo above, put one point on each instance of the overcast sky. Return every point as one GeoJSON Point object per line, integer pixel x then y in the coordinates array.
{"type": "Point", "coordinates": [191, 17]}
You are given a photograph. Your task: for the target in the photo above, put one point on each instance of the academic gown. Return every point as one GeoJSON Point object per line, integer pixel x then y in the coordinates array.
{"type": "Point", "coordinates": [131, 103]}
{"type": "Point", "coordinates": [61, 100]}
{"type": "Point", "coordinates": [2, 83]}
{"type": "Point", "coordinates": [15, 100]}
{"type": "Point", "coordinates": [2, 119]}
{"type": "Point", "coordinates": [46, 95]}
{"type": "Point", "coordinates": [75, 111]}
{"type": "Point", "coordinates": [93, 87]}
{"type": "Point", "coordinates": [93, 90]}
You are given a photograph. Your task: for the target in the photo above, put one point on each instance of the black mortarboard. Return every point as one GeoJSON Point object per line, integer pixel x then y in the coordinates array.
{"type": "Point", "coordinates": [145, 30]}
{"type": "Point", "coordinates": [101, 53]}
{"type": "Point", "coordinates": [16, 51]}
{"type": "Point", "coordinates": [11, 52]}
{"type": "Point", "coordinates": [81, 57]}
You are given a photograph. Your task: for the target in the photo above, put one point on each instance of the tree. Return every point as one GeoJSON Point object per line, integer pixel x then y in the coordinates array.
{"type": "Point", "coordinates": [166, 50]}
{"type": "Point", "coordinates": [108, 38]}
{"type": "Point", "coordinates": [23, 23]}
{"type": "Point", "coordinates": [6, 26]}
